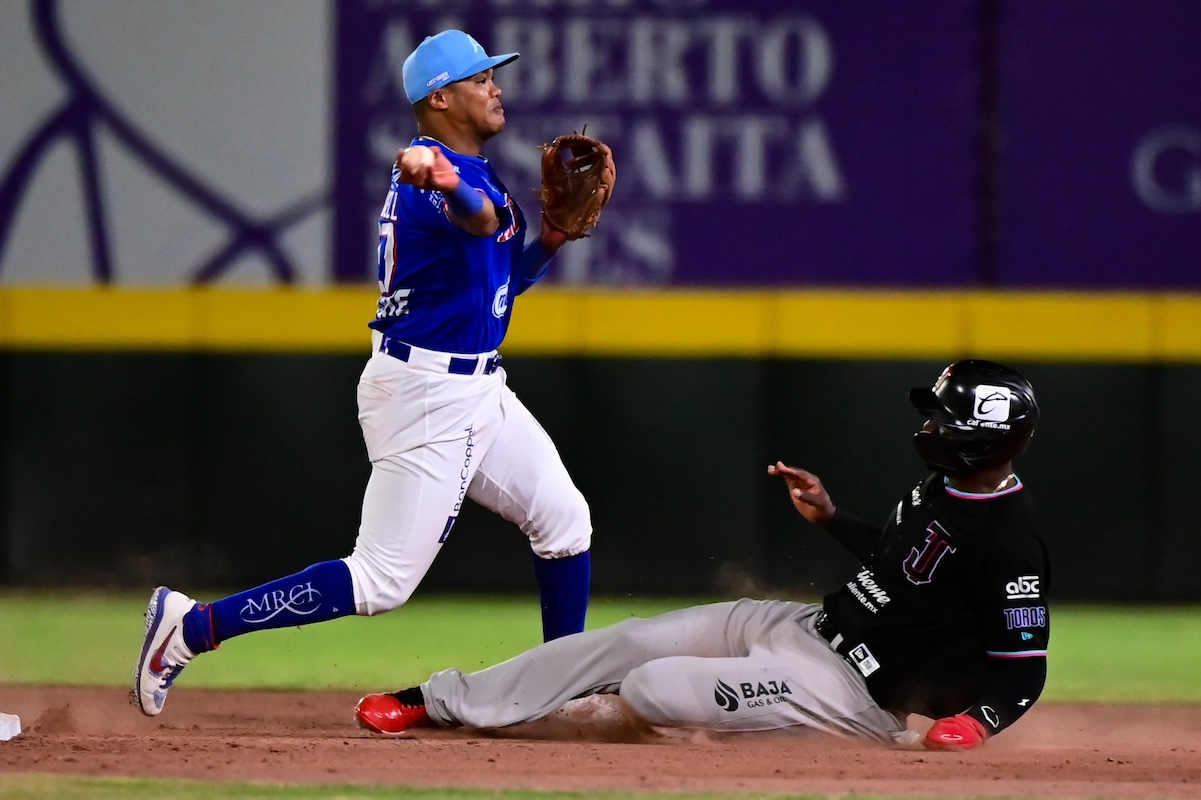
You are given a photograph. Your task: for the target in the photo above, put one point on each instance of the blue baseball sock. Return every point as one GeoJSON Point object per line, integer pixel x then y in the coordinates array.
{"type": "Point", "coordinates": [322, 592]}
{"type": "Point", "coordinates": [564, 584]}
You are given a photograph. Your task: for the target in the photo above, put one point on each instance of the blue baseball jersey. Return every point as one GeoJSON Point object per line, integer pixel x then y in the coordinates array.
{"type": "Point", "coordinates": [440, 287]}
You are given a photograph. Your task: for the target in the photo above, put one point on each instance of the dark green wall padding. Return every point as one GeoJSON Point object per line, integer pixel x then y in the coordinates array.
{"type": "Point", "coordinates": [223, 470]}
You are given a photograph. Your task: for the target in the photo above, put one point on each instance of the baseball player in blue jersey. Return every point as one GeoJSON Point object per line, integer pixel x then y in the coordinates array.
{"type": "Point", "coordinates": [946, 617]}
{"type": "Point", "coordinates": [439, 423]}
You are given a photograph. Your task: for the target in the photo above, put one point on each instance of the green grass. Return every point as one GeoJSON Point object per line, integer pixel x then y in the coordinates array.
{"type": "Point", "coordinates": [1125, 655]}
{"type": "Point", "coordinates": [1098, 654]}
{"type": "Point", "coordinates": [94, 639]}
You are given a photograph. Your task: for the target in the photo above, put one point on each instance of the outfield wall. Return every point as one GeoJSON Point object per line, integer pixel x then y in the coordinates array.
{"type": "Point", "coordinates": [823, 202]}
{"type": "Point", "coordinates": [187, 446]}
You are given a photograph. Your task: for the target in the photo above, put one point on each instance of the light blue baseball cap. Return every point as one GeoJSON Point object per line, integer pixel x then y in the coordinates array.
{"type": "Point", "coordinates": [445, 58]}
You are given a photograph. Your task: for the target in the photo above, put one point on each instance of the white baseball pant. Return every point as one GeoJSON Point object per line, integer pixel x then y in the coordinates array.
{"type": "Point", "coordinates": [434, 439]}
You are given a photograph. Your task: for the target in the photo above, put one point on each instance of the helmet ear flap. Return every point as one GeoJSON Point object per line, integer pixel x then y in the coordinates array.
{"type": "Point", "coordinates": [940, 455]}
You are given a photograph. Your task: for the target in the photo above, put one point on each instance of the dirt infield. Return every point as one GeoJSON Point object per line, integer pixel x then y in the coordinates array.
{"type": "Point", "coordinates": [307, 737]}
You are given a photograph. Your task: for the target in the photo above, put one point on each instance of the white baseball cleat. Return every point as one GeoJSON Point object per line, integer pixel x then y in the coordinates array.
{"type": "Point", "coordinates": [164, 654]}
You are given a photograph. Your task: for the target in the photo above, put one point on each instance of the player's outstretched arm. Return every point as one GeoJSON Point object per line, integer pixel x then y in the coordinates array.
{"type": "Point", "coordinates": [806, 492]}
{"type": "Point", "coordinates": [536, 257]}
{"type": "Point", "coordinates": [813, 502]}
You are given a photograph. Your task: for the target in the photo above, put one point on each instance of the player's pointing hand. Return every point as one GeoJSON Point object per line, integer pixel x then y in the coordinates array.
{"type": "Point", "coordinates": [806, 492]}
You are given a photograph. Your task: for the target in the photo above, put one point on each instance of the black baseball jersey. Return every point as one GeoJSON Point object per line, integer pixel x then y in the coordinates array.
{"type": "Point", "coordinates": [951, 590]}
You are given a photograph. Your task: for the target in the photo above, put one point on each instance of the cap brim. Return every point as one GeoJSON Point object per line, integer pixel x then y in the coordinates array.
{"type": "Point", "coordinates": [488, 63]}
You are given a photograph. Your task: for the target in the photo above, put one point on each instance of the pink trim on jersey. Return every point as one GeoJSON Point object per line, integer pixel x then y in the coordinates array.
{"type": "Point", "coordinates": [988, 496]}
{"type": "Point", "coordinates": [1020, 654]}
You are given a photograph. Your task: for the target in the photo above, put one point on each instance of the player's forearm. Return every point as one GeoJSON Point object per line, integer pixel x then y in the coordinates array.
{"type": "Point", "coordinates": [1014, 687]}
{"type": "Point", "coordinates": [535, 260]}
{"type": "Point", "coordinates": [855, 535]}
{"type": "Point", "coordinates": [471, 210]}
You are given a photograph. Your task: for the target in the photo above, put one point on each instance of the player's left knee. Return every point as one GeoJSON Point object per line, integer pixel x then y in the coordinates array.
{"type": "Point", "coordinates": [376, 587]}
{"type": "Point", "coordinates": [647, 695]}
{"type": "Point", "coordinates": [565, 530]}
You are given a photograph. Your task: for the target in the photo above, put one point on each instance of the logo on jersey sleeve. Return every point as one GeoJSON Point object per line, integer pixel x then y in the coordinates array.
{"type": "Point", "coordinates": [514, 221]}
{"type": "Point", "coordinates": [1026, 617]}
{"type": "Point", "coordinates": [1024, 587]}
{"type": "Point", "coordinates": [919, 566]}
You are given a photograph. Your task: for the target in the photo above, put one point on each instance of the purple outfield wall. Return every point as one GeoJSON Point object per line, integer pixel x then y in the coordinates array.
{"type": "Point", "coordinates": [763, 143]}
{"type": "Point", "coordinates": [1101, 163]}
{"type": "Point", "coordinates": [758, 142]}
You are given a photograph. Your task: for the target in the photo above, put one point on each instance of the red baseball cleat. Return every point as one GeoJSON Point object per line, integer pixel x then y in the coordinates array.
{"type": "Point", "coordinates": [392, 714]}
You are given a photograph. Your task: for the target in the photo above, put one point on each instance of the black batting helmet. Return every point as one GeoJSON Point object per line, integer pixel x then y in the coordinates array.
{"type": "Point", "coordinates": [983, 413]}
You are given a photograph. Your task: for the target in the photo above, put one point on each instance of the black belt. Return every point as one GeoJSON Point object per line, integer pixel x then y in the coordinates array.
{"type": "Point", "coordinates": [825, 627]}
{"type": "Point", "coordinates": [457, 366]}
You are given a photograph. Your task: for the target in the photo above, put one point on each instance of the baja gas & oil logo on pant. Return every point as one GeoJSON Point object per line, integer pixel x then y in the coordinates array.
{"type": "Point", "coordinates": [751, 694]}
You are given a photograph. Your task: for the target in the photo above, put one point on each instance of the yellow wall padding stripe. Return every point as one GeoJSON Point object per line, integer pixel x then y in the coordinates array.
{"type": "Point", "coordinates": [1039, 326]}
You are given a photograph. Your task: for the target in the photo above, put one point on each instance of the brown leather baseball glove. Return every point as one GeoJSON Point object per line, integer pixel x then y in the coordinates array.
{"type": "Point", "coordinates": [578, 174]}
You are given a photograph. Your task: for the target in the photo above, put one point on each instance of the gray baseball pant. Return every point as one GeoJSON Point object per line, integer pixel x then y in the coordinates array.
{"type": "Point", "coordinates": [746, 665]}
